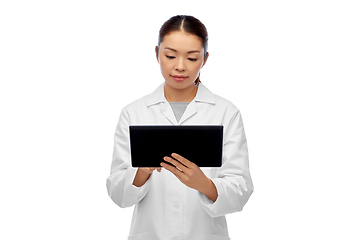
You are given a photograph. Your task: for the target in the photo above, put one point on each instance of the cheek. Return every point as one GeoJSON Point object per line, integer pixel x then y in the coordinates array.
{"type": "Point", "coordinates": [196, 68]}
{"type": "Point", "coordinates": [164, 65]}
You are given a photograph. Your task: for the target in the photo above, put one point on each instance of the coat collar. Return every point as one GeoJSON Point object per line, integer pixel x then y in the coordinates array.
{"type": "Point", "coordinates": [202, 95]}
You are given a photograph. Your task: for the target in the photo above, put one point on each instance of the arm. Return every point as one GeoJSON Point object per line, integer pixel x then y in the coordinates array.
{"type": "Point", "coordinates": [119, 184]}
{"type": "Point", "coordinates": [191, 175]}
{"type": "Point", "coordinates": [210, 191]}
{"type": "Point", "coordinates": [142, 175]}
{"type": "Point", "coordinates": [232, 188]}
{"type": "Point", "coordinates": [233, 184]}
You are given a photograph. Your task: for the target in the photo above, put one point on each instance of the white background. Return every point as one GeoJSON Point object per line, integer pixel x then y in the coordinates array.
{"type": "Point", "coordinates": [68, 67]}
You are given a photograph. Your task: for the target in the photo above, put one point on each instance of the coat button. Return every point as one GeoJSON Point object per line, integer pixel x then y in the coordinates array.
{"type": "Point", "coordinates": [176, 206]}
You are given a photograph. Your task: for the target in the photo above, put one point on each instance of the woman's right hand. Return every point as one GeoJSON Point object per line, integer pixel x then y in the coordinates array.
{"type": "Point", "coordinates": [143, 174]}
{"type": "Point", "coordinates": [149, 170]}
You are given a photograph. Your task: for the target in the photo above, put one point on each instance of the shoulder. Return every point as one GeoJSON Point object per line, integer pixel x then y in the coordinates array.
{"type": "Point", "coordinates": [137, 104]}
{"type": "Point", "coordinates": [223, 102]}
{"type": "Point", "coordinates": [219, 102]}
{"type": "Point", "coordinates": [155, 97]}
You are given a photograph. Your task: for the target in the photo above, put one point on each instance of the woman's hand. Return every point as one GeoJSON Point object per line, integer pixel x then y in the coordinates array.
{"type": "Point", "coordinates": [191, 175]}
{"type": "Point", "coordinates": [143, 174]}
{"type": "Point", "coordinates": [149, 170]}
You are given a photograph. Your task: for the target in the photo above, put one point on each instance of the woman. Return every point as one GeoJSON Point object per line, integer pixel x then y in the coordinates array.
{"type": "Point", "coordinates": [182, 202]}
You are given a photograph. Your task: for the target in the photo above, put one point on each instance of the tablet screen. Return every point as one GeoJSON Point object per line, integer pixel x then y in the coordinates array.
{"type": "Point", "coordinates": [201, 144]}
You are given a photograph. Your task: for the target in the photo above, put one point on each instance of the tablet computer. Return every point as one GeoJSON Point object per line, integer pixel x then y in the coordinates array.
{"type": "Point", "coordinates": [201, 144]}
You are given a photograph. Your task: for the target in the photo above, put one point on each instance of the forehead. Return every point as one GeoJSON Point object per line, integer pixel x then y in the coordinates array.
{"type": "Point", "coordinates": [182, 41]}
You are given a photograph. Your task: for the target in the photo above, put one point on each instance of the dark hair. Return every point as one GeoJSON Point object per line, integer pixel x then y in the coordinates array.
{"type": "Point", "coordinates": [187, 24]}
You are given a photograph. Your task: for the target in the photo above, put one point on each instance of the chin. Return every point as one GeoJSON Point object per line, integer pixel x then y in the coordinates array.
{"type": "Point", "coordinates": [180, 85]}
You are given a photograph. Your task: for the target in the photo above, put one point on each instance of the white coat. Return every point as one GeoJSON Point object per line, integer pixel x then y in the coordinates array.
{"type": "Point", "coordinates": [165, 208]}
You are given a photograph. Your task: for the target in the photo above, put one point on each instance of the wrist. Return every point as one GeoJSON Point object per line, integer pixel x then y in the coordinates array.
{"type": "Point", "coordinates": [141, 177]}
{"type": "Point", "coordinates": [205, 186]}
{"type": "Point", "coordinates": [209, 189]}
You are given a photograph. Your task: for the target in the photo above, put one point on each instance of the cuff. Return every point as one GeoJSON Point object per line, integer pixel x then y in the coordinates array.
{"type": "Point", "coordinates": [137, 192]}
{"type": "Point", "coordinates": [132, 174]}
{"type": "Point", "coordinates": [209, 206]}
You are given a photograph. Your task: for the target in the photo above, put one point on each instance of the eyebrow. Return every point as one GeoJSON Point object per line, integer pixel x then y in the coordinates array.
{"type": "Point", "coordinates": [193, 51]}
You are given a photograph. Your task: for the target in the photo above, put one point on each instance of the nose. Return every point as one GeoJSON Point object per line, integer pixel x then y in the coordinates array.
{"type": "Point", "coordinates": [180, 65]}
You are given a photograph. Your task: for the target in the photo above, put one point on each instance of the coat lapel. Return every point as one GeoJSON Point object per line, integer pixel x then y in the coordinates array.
{"type": "Point", "coordinates": [191, 109]}
{"type": "Point", "coordinates": [158, 97]}
{"type": "Point", "coordinates": [167, 111]}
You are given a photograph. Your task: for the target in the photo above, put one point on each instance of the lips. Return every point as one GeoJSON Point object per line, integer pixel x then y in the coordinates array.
{"type": "Point", "coordinates": [178, 77]}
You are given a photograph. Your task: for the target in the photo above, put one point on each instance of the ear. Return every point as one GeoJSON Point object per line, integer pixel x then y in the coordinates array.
{"type": "Point", "coordinates": [206, 58]}
{"type": "Point", "coordinates": [157, 54]}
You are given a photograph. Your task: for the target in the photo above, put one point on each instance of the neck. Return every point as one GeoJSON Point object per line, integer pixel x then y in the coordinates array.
{"type": "Point", "coordinates": [180, 95]}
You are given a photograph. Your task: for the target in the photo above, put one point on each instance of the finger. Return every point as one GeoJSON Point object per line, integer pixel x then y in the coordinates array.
{"type": "Point", "coordinates": [172, 169]}
{"type": "Point", "coordinates": [177, 164]}
{"type": "Point", "coordinates": [183, 160]}
{"type": "Point", "coordinates": [158, 169]}
{"type": "Point", "coordinates": [145, 169]}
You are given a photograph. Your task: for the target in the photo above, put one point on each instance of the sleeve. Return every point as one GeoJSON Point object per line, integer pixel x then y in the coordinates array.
{"type": "Point", "coordinates": [233, 184]}
{"type": "Point", "coordinates": [119, 183]}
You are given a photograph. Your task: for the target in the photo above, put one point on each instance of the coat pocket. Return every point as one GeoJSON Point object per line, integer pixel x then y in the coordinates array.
{"type": "Point", "coordinates": [136, 237]}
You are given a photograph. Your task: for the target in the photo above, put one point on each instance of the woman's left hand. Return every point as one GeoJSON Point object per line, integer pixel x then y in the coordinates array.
{"type": "Point", "coordinates": [190, 174]}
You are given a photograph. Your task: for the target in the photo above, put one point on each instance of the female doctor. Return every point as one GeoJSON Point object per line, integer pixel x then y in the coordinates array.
{"type": "Point", "coordinates": [183, 202]}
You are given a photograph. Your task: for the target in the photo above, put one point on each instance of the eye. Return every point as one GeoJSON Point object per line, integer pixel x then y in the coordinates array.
{"type": "Point", "coordinates": [170, 57]}
{"type": "Point", "coordinates": [192, 59]}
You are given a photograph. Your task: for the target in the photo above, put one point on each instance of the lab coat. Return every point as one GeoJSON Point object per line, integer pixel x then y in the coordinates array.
{"type": "Point", "coordinates": [165, 208]}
